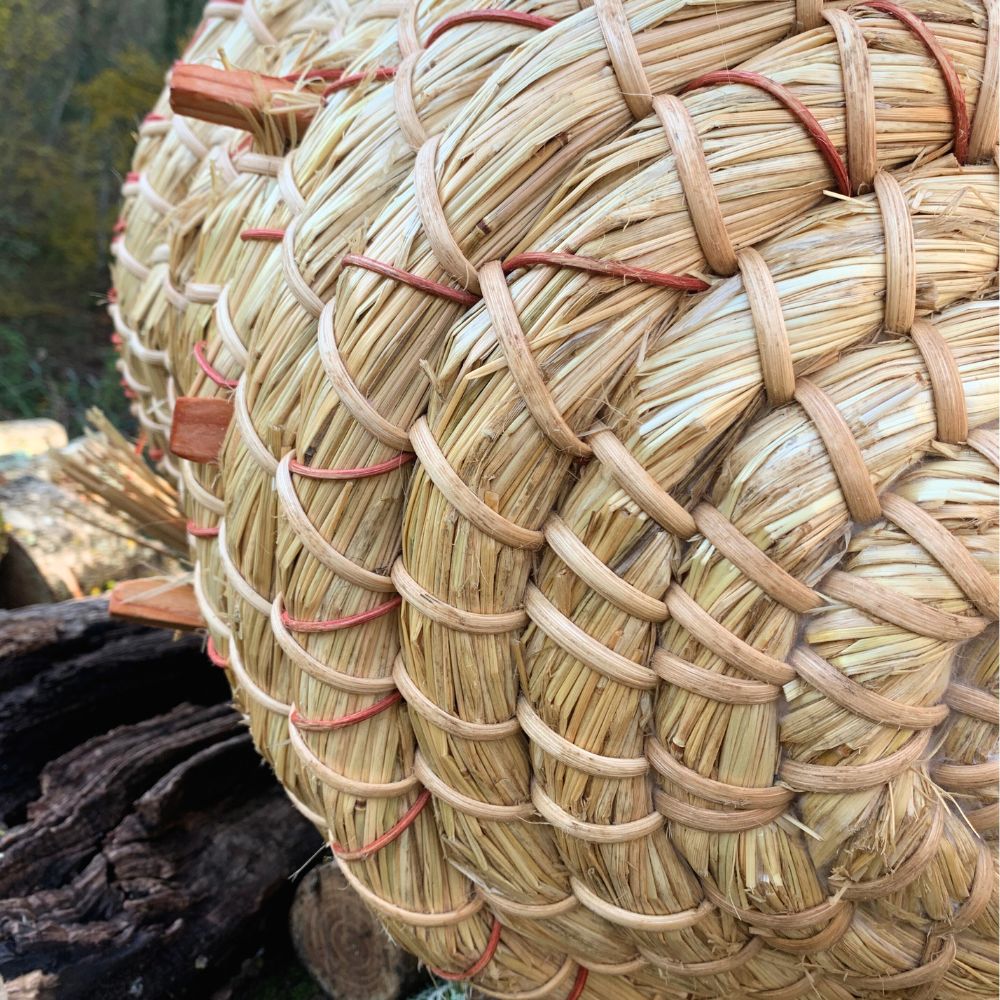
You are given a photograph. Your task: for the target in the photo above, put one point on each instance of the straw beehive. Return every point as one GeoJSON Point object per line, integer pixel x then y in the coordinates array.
{"type": "Point", "coordinates": [608, 518]}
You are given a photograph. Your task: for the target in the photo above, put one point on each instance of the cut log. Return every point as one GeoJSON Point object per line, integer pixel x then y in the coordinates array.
{"type": "Point", "coordinates": [150, 849]}
{"type": "Point", "coordinates": [69, 673]}
{"type": "Point", "coordinates": [342, 944]}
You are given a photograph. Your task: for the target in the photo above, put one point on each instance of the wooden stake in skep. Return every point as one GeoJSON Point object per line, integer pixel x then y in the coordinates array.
{"type": "Point", "coordinates": [239, 97]}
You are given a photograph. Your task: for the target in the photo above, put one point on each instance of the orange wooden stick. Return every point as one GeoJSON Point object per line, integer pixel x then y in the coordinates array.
{"type": "Point", "coordinates": [156, 601]}
{"type": "Point", "coordinates": [199, 427]}
{"type": "Point", "coordinates": [229, 96]}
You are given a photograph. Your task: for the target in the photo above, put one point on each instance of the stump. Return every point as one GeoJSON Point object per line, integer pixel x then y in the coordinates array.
{"type": "Point", "coordinates": [342, 944]}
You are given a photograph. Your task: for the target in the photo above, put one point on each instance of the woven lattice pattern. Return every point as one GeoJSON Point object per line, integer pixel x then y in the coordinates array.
{"type": "Point", "coordinates": [604, 547]}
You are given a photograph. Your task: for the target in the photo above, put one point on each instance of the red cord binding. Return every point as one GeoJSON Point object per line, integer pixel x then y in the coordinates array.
{"type": "Point", "coordinates": [119, 226]}
{"type": "Point", "coordinates": [782, 94]}
{"type": "Point", "coordinates": [408, 278]}
{"type": "Point", "coordinates": [504, 16]}
{"type": "Point", "coordinates": [335, 624]}
{"type": "Point", "coordinates": [480, 963]}
{"type": "Point", "coordinates": [112, 296]}
{"type": "Point", "coordinates": [140, 443]}
{"type": "Point", "coordinates": [131, 177]}
{"type": "Point", "coordinates": [214, 656]}
{"type": "Point", "coordinates": [129, 393]}
{"type": "Point", "coordinates": [314, 74]}
{"type": "Point", "coordinates": [199, 530]}
{"type": "Point", "coordinates": [155, 454]}
{"type": "Point", "coordinates": [579, 983]}
{"type": "Point", "coordinates": [328, 725]}
{"type": "Point", "coordinates": [271, 235]}
{"type": "Point", "coordinates": [612, 268]}
{"type": "Point", "coordinates": [116, 339]}
{"type": "Point", "coordinates": [153, 118]}
{"type": "Point", "coordinates": [351, 79]}
{"type": "Point", "coordinates": [310, 472]}
{"type": "Point", "coordinates": [405, 821]}
{"type": "Point", "coordinates": [212, 373]}
{"type": "Point", "coordinates": [956, 95]}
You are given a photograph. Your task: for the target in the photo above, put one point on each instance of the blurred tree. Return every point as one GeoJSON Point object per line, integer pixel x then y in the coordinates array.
{"type": "Point", "coordinates": [76, 77]}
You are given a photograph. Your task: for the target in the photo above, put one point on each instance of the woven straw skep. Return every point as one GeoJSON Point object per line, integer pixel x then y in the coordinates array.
{"type": "Point", "coordinates": [371, 149]}
{"type": "Point", "coordinates": [685, 387]}
{"type": "Point", "coordinates": [171, 149]}
{"type": "Point", "coordinates": [506, 773]}
{"type": "Point", "coordinates": [580, 339]}
{"type": "Point", "coordinates": [882, 394]}
{"type": "Point", "coordinates": [614, 724]}
{"type": "Point", "coordinates": [355, 517]}
{"type": "Point", "coordinates": [208, 229]}
{"type": "Point", "coordinates": [285, 330]}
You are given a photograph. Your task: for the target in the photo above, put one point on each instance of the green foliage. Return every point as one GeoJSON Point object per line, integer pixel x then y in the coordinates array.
{"type": "Point", "coordinates": [77, 76]}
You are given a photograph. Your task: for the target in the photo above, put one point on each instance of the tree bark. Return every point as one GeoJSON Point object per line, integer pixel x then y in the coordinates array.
{"type": "Point", "coordinates": [151, 847]}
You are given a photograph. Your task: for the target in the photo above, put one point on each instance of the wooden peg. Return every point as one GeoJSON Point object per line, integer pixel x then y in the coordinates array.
{"type": "Point", "coordinates": [157, 601]}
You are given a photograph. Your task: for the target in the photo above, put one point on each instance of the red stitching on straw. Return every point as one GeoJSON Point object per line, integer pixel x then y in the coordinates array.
{"type": "Point", "coordinates": [314, 74]}
{"type": "Point", "coordinates": [112, 295]}
{"type": "Point", "coordinates": [405, 821]}
{"type": "Point", "coordinates": [129, 393]}
{"type": "Point", "coordinates": [154, 118]}
{"type": "Point", "coordinates": [956, 95]}
{"type": "Point", "coordinates": [214, 656]}
{"type": "Point", "coordinates": [362, 472]}
{"type": "Point", "coordinates": [155, 454]}
{"type": "Point", "coordinates": [212, 373]}
{"type": "Point", "coordinates": [350, 79]}
{"type": "Point", "coordinates": [140, 443]}
{"type": "Point", "coordinates": [579, 983]}
{"type": "Point", "coordinates": [327, 725]}
{"type": "Point", "coordinates": [271, 235]}
{"type": "Point", "coordinates": [609, 267]}
{"type": "Point", "coordinates": [504, 16]}
{"type": "Point", "coordinates": [819, 135]}
{"type": "Point", "coordinates": [612, 268]}
{"type": "Point", "coordinates": [131, 177]}
{"type": "Point", "coordinates": [200, 530]}
{"type": "Point", "coordinates": [335, 624]}
{"type": "Point", "coordinates": [119, 226]}
{"type": "Point", "coordinates": [408, 278]}
{"type": "Point", "coordinates": [116, 339]}
{"type": "Point", "coordinates": [480, 963]}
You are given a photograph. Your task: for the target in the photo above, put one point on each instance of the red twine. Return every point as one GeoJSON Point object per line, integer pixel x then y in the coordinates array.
{"type": "Point", "coordinates": [352, 79]}
{"type": "Point", "coordinates": [782, 94]}
{"type": "Point", "coordinates": [199, 530]}
{"type": "Point", "coordinates": [220, 380]}
{"type": "Point", "coordinates": [956, 95]}
{"type": "Point", "coordinates": [214, 656]}
{"type": "Point", "coordinates": [271, 235]}
{"type": "Point", "coordinates": [335, 624]}
{"type": "Point", "coordinates": [504, 16]}
{"type": "Point", "coordinates": [405, 821]}
{"type": "Point", "coordinates": [458, 295]}
{"type": "Point", "coordinates": [480, 963]}
{"type": "Point", "coordinates": [579, 983]}
{"type": "Point", "coordinates": [327, 725]}
{"type": "Point", "coordinates": [310, 472]}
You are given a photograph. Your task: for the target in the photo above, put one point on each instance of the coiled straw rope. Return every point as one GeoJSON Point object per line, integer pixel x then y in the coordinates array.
{"type": "Point", "coordinates": [683, 681]}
